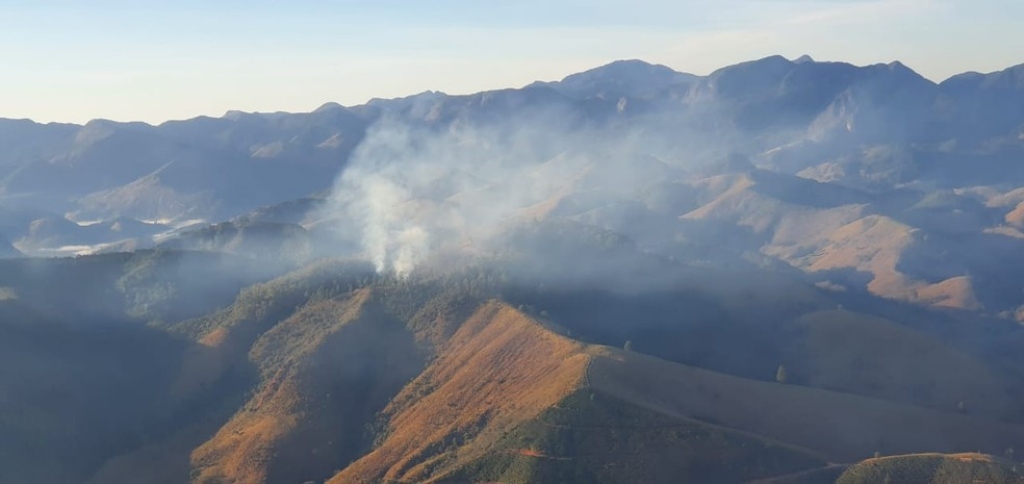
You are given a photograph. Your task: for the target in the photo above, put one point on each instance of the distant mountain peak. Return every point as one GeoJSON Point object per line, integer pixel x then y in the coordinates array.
{"type": "Point", "coordinates": [901, 68]}
{"type": "Point", "coordinates": [898, 66]}
{"type": "Point", "coordinates": [755, 67]}
{"type": "Point", "coordinates": [623, 78]}
{"type": "Point", "coordinates": [803, 59]}
{"type": "Point", "coordinates": [95, 130]}
{"type": "Point", "coordinates": [629, 62]}
{"type": "Point", "coordinates": [896, 71]}
{"type": "Point", "coordinates": [1011, 77]}
{"type": "Point", "coordinates": [328, 106]}
{"type": "Point", "coordinates": [772, 60]}
{"type": "Point", "coordinates": [627, 67]}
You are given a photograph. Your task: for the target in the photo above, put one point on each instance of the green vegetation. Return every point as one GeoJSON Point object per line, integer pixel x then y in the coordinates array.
{"type": "Point", "coordinates": [592, 437]}
{"type": "Point", "coordinates": [269, 242]}
{"type": "Point", "coordinates": [840, 426]}
{"type": "Point", "coordinates": [151, 286]}
{"type": "Point", "coordinates": [859, 353]}
{"type": "Point", "coordinates": [323, 369]}
{"type": "Point", "coordinates": [934, 469]}
{"type": "Point", "coordinates": [66, 407]}
{"type": "Point", "coordinates": [302, 412]}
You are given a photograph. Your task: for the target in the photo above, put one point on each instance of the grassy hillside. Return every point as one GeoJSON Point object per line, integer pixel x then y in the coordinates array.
{"type": "Point", "coordinates": [751, 326]}
{"type": "Point", "coordinates": [498, 370]}
{"type": "Point", "coordinates": [842, 427]}
{"type": "Point", "coordinates": [507, 401]}
{"type": "Point", "coordinates": [267, 241]}
{"type": "Point", "coordinates": [476, 374]}
{"type": "Point", "coordinates": [72, 397]}
{"type": "Point", "coordinates": [329, 347]}
{"type": "Point", "coordinates": [934, 469]}
{"type": "Point", "coordinates": [159, 286]}
{"type": "Point", "coordinates": [592, 437]}
{"type": "Point", "coordinates": [324, 373]}
{"type": "Point", "coordinates": [687, 320]}
{"type": "Point", "coordinates": [83, 380]}
{"type": "Point", "coordinates": [857, 353]}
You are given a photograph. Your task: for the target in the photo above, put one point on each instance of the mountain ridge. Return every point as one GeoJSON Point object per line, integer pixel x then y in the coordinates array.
{"type": "Point", "coordinates": [331, 105]}
{"type": "Point", "coordinates": [770, 273]}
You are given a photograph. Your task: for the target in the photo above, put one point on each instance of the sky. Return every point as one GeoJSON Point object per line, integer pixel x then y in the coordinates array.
{"type": "Point", "coordinates": [155, 60]}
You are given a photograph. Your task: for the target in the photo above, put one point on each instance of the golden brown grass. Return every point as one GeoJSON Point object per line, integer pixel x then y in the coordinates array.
{"type": "Point", "coordinates": [242, 450]}
{"type": "Point", "coordinates": [934, 468]}
{"type": "Point", "coordinates": [817, 239]}
{"type": "Point", "coordinates": [955, 292]}
{"type": "Point", "coordinates": [502, 369]}
{"type": "Point", "coordinates": [872, 244]}
{"type": "Point", "coordinates": [738, 204]}
{"type": "Point", "coordinates": [962, 457]}
{"type": "Point", "coordinates": [1015, 217]}
{"type": "Point", "coordinates": [499, 369]}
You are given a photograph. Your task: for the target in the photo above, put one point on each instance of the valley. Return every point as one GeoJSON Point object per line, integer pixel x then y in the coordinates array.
{"type": "Point", "coordinates": [786, 271]}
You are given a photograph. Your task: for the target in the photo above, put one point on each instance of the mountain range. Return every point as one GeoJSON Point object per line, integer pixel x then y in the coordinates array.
{"type": "Point", "coordinates": [786, 271]}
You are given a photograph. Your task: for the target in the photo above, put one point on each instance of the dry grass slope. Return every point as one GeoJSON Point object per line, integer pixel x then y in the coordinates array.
{"type": "Point", "coordinates": [842, 427]}
{"type": "Point", "coordinates": [499, 369]}
{"type": "Point", "coordinates": [934, 469]}
{"type": "Point", "coordinates": [955, 292]}
{"type": "Point", "coordinates": [1016, 216]}
{"type": "Point", "coordinates": [303, 421]}
{"type": "Point", "coordinates": [241, 451]}
{"type": "Point", "coordinates": [591, 437]}
{"type": "Point", "coordinates": [866, 355]}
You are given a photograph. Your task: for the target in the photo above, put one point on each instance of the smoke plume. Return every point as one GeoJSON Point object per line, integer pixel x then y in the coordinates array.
{"type": "Point", "coordinates": [410, 190]}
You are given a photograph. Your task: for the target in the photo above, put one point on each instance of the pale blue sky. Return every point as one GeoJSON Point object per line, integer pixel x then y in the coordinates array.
{"type": "Point", "coordinates": [74, 60]}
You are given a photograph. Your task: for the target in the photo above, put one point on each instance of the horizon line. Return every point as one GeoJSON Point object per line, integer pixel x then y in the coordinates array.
{"type": "Point", "coordinates": [537, 81]}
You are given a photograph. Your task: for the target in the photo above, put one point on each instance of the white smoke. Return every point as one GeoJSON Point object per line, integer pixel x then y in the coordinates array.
{"type": "Point", "coordinates": [409, 191]}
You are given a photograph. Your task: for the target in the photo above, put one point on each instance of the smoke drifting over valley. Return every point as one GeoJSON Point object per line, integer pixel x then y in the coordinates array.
{"type": "Point", "coordinates": [764, 162]}
{"type": "Point", "coordinates": [770, 273]}
{"type": "Point", "coordinates": [412, 190]}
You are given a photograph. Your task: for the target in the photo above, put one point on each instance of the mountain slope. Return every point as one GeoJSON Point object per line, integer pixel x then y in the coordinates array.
{"type": "Point", "coordinates": [592, 437]}
{"type": "Point", "coordinates": [934, 469]}
{"type": "Point", "coordinates": [805, 263]}
{"type": "Point", "coordinates": [333, 372]}
{"type": "Point", "coordinates": [508, 400]}
{"type": "Point", "coordinates": [499, 369]}
{"type": "Point", "coordinates": [841, 427]}
{"type": "Point", "coordinates": [303, 422]}
{"type": "Point", "coordinates": [66, 406]}
{"type": "Point", "coordinates": [865, 355]}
